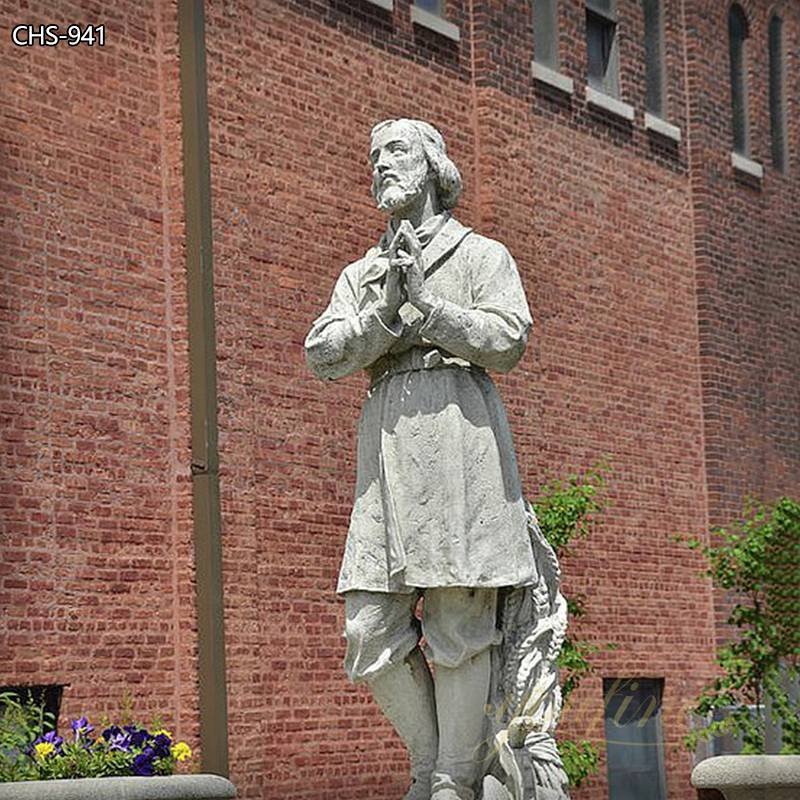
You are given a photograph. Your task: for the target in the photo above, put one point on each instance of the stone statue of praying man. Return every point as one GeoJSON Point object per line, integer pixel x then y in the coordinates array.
{"type": "Point", "coordinates": [438, 510]}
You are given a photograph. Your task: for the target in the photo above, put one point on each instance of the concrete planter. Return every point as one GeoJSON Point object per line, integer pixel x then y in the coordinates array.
{"type": "Point", "coordinates": [749, 777]}
{"type": "Point", "coordinates": [172, 787]}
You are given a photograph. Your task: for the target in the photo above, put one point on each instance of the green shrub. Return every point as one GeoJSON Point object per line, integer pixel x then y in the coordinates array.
{"type": "Point", "coordinates": [567, 511]}
{"type": "Point", "coordinates": [758, 560]}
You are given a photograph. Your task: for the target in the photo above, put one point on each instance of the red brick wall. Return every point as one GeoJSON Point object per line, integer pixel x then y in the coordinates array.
{"type": "Point", "coordinates": [96, 544]}
{"type": "Point", "coordinates": [95, 561]}
{"type": "Point", "coordinates": [747, 243]}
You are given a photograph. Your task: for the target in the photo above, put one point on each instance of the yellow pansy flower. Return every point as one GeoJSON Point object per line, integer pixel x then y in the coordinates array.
{"type": "Point", "coordinates": [162, 731]}
{"type": "Point", "coordinates": [43, 749]}
{"type": "Point", "coordinates": [181, 751]}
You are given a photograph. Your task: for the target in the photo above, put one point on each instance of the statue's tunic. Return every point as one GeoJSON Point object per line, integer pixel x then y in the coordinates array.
{"type": "Point", "coordinates": [438, 499]}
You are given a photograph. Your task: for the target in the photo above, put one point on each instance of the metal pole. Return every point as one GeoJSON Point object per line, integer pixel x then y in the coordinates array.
{"type": "Point", "coordinates": [203, 383]}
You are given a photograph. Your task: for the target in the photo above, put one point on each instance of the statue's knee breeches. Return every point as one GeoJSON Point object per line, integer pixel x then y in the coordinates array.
{"type": "Point", "coordinates": [381, 629]}
{"type": "Point", "coordinates": [459, 623]}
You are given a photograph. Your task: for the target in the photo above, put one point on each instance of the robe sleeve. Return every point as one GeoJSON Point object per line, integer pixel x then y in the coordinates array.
{"type": "Point", "coordinates": [343, 339]}
{"type": "Point", "coordinates": [493, 332]}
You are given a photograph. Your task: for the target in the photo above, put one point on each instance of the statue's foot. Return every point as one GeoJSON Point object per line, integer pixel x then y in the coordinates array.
{"type": "Point", "coordinates": [452, 794]}
{"type": "Point", "coordinates": [445, 788]}
{"type": "Point", "coordinates": [420, 789]}
{"type": "Point", "coordinates": [445, 794]}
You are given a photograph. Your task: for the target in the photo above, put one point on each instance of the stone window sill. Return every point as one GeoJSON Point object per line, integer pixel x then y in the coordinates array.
{"type": "Point", "coordinates": [419, 16]}
{"type": "Point", "coordinates": [661, 127]}
{"type": "Point", "coordinates": [552, 78]}
{"type": "Point", "coordinates": [747, 166]}
{"type": "Point", "coordinates": [386, 5]}
{"type": "Point", "coordinates": [609, 104]}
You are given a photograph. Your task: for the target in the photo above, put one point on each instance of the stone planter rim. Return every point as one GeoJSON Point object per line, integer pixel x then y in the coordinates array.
{"type": "Point", "coordinates": [166, 787]}
{"type": "Point", "coordinates": [756, 771]}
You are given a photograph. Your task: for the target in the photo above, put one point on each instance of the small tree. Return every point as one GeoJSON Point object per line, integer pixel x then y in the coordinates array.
{"type": "Point", "coordinates": [567, 511]}
{"type": "Point", "coordinates": [759, 561]}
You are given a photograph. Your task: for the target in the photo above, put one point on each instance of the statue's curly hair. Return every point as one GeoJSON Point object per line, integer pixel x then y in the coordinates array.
{"type": "Point", "coordinates": [448, 178]}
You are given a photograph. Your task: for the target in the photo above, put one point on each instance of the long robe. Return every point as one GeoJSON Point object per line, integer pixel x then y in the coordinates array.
{"type": "Point", "coordinates": [438, 499]}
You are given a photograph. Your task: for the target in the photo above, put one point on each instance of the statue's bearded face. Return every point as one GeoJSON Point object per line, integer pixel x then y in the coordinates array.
{"type": "Point", "coordinates": [400, 170]}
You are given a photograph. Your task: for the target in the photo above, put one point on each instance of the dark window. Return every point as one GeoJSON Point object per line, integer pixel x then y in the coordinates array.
{"type": "Point", "coordinates": [601, 46]}
{"type": "Point", "coordinates": [434, 6]}
{"type": "Point", "coordinates": [776, 95]}
{"type": "Point", "coordinates": [47, 696]}
{"type": "Point", "coordinates": [737, 35]}
{"type": "Point", "coordinates": [635, 750]}
{"type": "Point", "coordinates": [654, 57]}
{"type": "Point", "coordinates": [545, 32]}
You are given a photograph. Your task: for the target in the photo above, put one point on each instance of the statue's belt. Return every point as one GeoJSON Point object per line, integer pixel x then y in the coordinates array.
{"type": "Point", "coordinates": [414, 360]}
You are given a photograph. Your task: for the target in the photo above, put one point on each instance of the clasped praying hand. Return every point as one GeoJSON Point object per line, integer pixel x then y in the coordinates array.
{"type": "Point", "coordinates": [405, 279]}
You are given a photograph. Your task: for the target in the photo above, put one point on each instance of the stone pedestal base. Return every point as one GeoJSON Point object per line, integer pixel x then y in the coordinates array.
{"type": "Point", "coordinates": [172, 787]}
{"type": "Point", "coordinates": [750, 777]}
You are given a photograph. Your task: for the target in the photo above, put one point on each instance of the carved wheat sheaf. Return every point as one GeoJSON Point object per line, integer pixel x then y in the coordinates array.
{"type": "Point", "coordinates": [534, 623]}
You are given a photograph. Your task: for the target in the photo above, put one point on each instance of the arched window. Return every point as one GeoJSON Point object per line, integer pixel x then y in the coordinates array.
{"type": "Point", "coordinates": [545, 33]}
{"type": "Point", "coordinates": [776, 96]}
{"type": "Point", "coordinates": [738, 32]}
{"type": "Point", "coordinates": [655, 100]}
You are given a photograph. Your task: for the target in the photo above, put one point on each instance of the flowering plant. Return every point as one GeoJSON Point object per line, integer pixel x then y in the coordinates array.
{"type": "Point", "coordinates": [117, 751]}
{"type": "Point", "coordinates": [129, 750]}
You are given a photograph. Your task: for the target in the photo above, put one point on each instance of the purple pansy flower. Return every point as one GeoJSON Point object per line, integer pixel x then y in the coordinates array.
{"type": "Point", "coordinates": [138, 736]}
{"type": "Point", "coordinates": [161, 745]}
{"type": "Point", "coordinates": [119, 741]}
{"type": "Point", "coordinates": [81, 726]}
{"type": "Point", "coordinates": [52, 738]}
{"type": "Point", "coordinates": [143, 763]}
{"type": "Point", "coordinates": [110, 732]}
{"type": "Point", "coordinates": [117, 738]}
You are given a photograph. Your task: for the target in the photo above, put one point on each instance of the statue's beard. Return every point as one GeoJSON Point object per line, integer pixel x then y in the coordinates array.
{"type": "Point", "coordinates": [393, 195]}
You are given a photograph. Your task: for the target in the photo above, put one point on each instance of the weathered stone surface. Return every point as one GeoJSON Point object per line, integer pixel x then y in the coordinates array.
{"type": "Point", "coordinates": [439, 510]}
{"type": "Point", "coordinates": [750, 777]}
{"type": "Point", "coordinates": [173, 787]}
